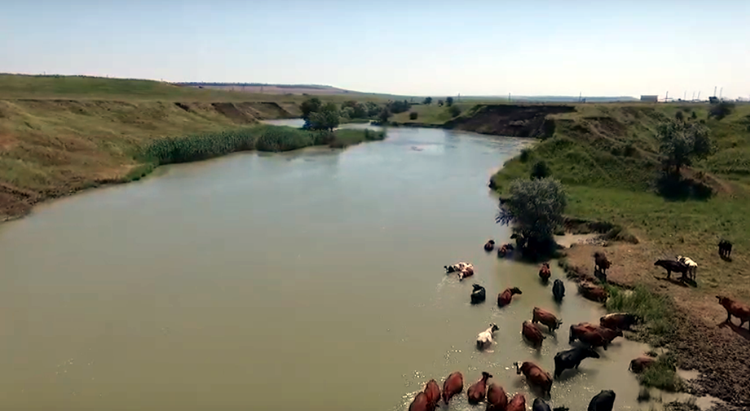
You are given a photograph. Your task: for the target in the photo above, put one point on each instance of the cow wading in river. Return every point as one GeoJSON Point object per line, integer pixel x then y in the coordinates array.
{"type": "Point", "coordinates": [478, 390]}
{"type": "Point", "coordinates": [545, 317]}
{"type": "Point", "coordinates": [505, 297]}
{"type": "Point", "coordinates": [497, 399]}
{"type": "Point", "coordinates": [535, 376]}
{"type": "Point", "coordinates": [453, 385]}
{"type": "Point", "coordinates": [570, 359]}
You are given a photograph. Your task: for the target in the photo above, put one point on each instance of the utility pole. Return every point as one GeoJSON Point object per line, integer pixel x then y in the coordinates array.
{"type": "Point", "coordinates": [666, 98]}
{"type": "Point", "coordinates": [699, 96]}
{"type": "Point", "coordinates": [714, 91]}
{"type": "Point", "coordinates": [580, 93]}
{"type": "Point", "coordinates": [509, 100]}
{"type": "Point", "coordinates": [721, 91]}
{"type": "Point", "coordinates": [684, 96]}
{"type": "Point", "coordinates": [693, 98]}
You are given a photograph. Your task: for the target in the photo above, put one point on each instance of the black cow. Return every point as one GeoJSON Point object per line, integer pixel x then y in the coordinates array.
{"type": "Point", "coordinates": [672, 265]}
{"type": "Point", "coordinates": [572, 358]}
{"type": "Point", "coordinates": [725, 248]}
{"type": "Point", "coordinates": [558, 290]}
{"type": "Point", "coordinates": [541, 405]}
{"type": "Point", "coordinates": [604, 401]}
{"type": "Point", "coordinates": [478, 295]}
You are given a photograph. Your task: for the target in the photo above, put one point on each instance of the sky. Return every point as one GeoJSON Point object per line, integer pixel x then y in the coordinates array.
{"type": "Point", "coordinates": [418, 47]}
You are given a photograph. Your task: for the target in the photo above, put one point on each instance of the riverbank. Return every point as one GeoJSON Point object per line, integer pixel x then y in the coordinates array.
{"type": "Point", "coordinates": [606, 156]}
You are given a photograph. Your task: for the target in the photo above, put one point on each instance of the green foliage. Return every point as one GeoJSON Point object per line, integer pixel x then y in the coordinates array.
{"type": "Point", "coordinates": [534, 207]}
{"type": "Point", "coordinates": [540, 170]}
{"type": "Point", "coordinates": [427, 101]}
{"type": "Point", "coordinates": [656, 310]}
{"type": "Point", "coordinates": [721, 110]}
{"type": "Point", "coordinates": [662, 374]}
{"type": "Point", "coordinates": [396, 107]}
{"type": "Point", "coordinates": [372, 109]}
{"type": "Point", "coordinates": [200, 147]}
{"type": "Point", "coordinates": [384, 115]}
{"type": "Point", "coordinates": [679, 116]}
{"type": "Point", "coordinates": [693, 115]}
{"type": "Point", "coordinates": [449, 101]}
{"type": "Point", "coordinates": [455, 111]}
{"type": "Point", "coordinates": [525, 154]}
{"type": "Point", "coordinates": [354, 109]}
{"type": "Point", "coordinates": [440, 103]}
{"type": "Point", "coordinates": [413, 115]}
{"type": "Point", "coordinates": [682, 142]}
{"type": "Point", "coordinates": [325, 119]}
{"type": "Point", "coordinates": [309, 106]}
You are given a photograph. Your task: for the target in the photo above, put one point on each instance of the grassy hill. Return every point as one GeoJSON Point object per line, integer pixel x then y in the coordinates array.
{"type": "Point", "coordinates": [607, 158]}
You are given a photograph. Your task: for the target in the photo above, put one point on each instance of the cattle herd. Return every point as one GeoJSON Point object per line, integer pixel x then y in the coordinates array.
{"type": "Point", "coordinates": [591, 335]}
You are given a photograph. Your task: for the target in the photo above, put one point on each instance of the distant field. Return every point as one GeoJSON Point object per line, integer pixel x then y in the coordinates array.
{"type": "Point", "coordinates": [271, 89]}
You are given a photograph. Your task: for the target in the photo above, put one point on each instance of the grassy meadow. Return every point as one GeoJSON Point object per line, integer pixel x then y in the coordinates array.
{"type": "Point", "coordinates": [607, 158]}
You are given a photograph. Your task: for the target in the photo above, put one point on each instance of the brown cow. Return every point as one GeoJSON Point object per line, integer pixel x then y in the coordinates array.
{"type": "Point", "coordinates": [453, 385]}
{"type": "Point", "coordinates": [489, 245]}
{"type": "Point", "coordinates": [517, 403]}
{"type": "Point", "coordinates": [639, 364]}
{"type": "Point", "coordinates": [497, 399]}
{"type": "Point", "coordinates": [478, 390]}
{"type": "Point", "coordinates": [545, 317]}
{"type": "Point", "coordinates": [735, 308]}
{"type": "Point", "coordinates": [544, 272]}
{"type": "Point", "coordinates": [592, 292]}
{"type": "Point", "coordinates": [421, 403]}
{"type": "Point", "coordinates": [505, 297]}
{"type": "Point", "coordinates": [619, 321]}
{"type": "Point", "coordinates": [593, 335]}
{"type": "Point", "coordinates": [433, 393]}
{"type": "Point", "coordinates": [532, 333]}
{"type": "Point", "coordinates": [535, 375]}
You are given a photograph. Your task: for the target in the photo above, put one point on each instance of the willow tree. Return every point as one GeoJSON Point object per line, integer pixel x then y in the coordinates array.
{"type": "Point", "coordinates": [534, 209]}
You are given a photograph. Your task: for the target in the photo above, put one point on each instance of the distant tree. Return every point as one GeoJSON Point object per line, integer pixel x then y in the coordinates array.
{"type": "Point", "coordinates": [398, 106]}
{"type": "Point", "coordinates": [310, 105]}
{"type": "Point", "coordinates": [428, 100]}
{"type": "Point", "coordinates": [440, 103]}
{"type": "Point", "coordinates": [449, 101]}
{"type": "Point", "coordinates": [535, 209]}
{"type": "Point", "coordinates": [693, 115]}
{"type": "Point", "coordinates": [372, 109]}
{"type": "Point", "coordinates": [721, 110]}
{"type": "Point", "coordinates": [540, 169]}
{"type": "Point", "coordinates": [347, 112]}
{"type": "Point", "coordinates": [455, 111]}
{"type": "Point", "coordinates": [682, 142]}
{"type": "Point", "coordinates": [349, 103]}
{"type": "Point", "coordinates": [679, 116]}
{"type": "Point", "coordinates": [413, 115]}
{"type": "Point", "coordinates": [384, 115]}
{"type": "Point", "coordinates": [325, 119]}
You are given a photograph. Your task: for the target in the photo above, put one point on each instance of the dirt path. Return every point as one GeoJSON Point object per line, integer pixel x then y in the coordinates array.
{"type": "Point", "coordinates": [703, 342]}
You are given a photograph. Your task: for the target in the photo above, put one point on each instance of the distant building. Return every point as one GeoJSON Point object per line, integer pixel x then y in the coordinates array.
{"type": "Point", "coordinates": [650, 99]}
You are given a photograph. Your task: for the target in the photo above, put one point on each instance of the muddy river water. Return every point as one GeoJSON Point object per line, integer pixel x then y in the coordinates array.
{"type": "Point", "coordinates": [310, 280]}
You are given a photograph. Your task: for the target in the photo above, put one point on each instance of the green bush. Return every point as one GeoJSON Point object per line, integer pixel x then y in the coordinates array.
{"type": "Point", "coordinates": [540, 169]}
{"type": "Point", "coordinates": [413, 115]}
{"type": "Point", "coordinates": [455, 111]}
{"type": "Point", "coordinates": [525, 154]}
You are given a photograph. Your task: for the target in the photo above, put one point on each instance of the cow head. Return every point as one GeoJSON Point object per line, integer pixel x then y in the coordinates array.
{"type": "Point", "coordinates": [515, 290]}
{"type": "Point", "coordinates": [494, 327]}
{"type": "Point", "coordinates": [518, 367]}
{"type": "Point", "coordinates": [477, 287]}
{"type": "Point", "coordinates": [591, 353]}
{"type": "Point", "coordinates": [723, 300]}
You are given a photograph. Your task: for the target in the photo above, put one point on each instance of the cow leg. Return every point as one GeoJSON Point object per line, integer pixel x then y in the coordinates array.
{"type": "Point", "coordinates": [669, 275]}
{"type": "Point", "coordinates": [729, 317]}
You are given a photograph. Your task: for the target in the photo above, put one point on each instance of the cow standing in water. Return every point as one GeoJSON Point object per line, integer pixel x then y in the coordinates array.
{"type": "Point", "coordinates": [545, 317]}
{"type": "Point", "coordinates": [558, 290]}
{"type": "Point", "coordinates": [619, 321]}
{"type": "Point", "coordinates": [489, 245]}
{"type": "Point", "coordinates": [544, 272]}
{"type": "Point", "coordinates": [462, 269]}
{"type": "Point", "coordinates": [517, 403]}
{"type": "Point", "coordinates": [497, 399]}
{"type": "Point", "coordinates": [639, 364]}
{"type": "Point", "coordinates": [432, 390]}
{"type": "Point", "coordinates": [572, 358]}
{"type": "Point", "coordinates": [478, 390]}
{"type": "Point", "coordinates": [453, 385]}
{"type": "Point", "coordinates": [505, 297]}
{"type": "Point", "coordinates": [535, 375]}
{"type": "Point", "coordinates": [421, 403]}
{"type": "Point", "coordinates": [484, 339]}
{"type": "Point", "coordinates": [604, 401]}
{"type": "Point", "coordinates": [532, 334]}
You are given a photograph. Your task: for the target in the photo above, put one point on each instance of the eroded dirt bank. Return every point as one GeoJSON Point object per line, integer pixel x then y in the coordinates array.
{"type": "Point", "coordinates": [511, 120]}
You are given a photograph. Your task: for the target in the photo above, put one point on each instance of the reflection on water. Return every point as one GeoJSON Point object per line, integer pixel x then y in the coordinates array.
{"type": "Point", "coordinates": [305, 280]}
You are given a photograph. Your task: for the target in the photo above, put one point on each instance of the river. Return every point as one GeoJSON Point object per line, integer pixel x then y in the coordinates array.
{"type": "Point", "coordinates": [306, 280]}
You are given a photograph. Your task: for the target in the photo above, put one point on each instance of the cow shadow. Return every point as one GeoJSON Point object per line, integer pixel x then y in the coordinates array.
{"type": "Point", "coordinates": [672, 280]}
{"type": "Point", "coordinates": [726, 258]}
{"type": "Point", "coordinates": [742, 332]}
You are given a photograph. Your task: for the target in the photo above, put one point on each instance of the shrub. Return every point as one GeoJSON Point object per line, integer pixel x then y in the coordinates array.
{"type": "Point", "coordinates": [455, 111]}
{"type": "Point", "coordinates": [525, 154]}
{"type": "Point", "coordinates": [721, 110]}
{"type": "Point", "coordinates": [693, 115]}
{"type": "Point", "coordinates": [535, 208]}
{"type": "Point", "coordinates": [540, 169]}
{"type": "Point", "coordinates": [413, 115]}
{"type": "Point", "coordinates": [683, 142]}
{"type": "Point", "coordinates": [428, 101]}
{"type": "Point", "coordinates": [449, 101]}
{"type": "Point", "coordinates": [679, 116]}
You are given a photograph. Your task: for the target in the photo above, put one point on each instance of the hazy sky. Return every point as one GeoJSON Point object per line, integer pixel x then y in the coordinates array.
{"type": "Point", "coordinates": [492, 47]}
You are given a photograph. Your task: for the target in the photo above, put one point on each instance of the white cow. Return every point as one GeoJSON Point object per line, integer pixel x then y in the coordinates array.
{"type": "Point", "coordinates": [692, 266]}
{"type": "Point", "coordinates": [462, 269]}
{"type": "Point", "coordinates": [484, 339]}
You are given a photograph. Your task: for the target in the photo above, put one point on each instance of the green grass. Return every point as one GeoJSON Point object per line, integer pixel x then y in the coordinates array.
{"type": "Point", "coordinates": [430, 114]}
{"type": "Point", "coordinates": [655, 309]}
{"type": "Point", "coordinates": [662, 375]}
